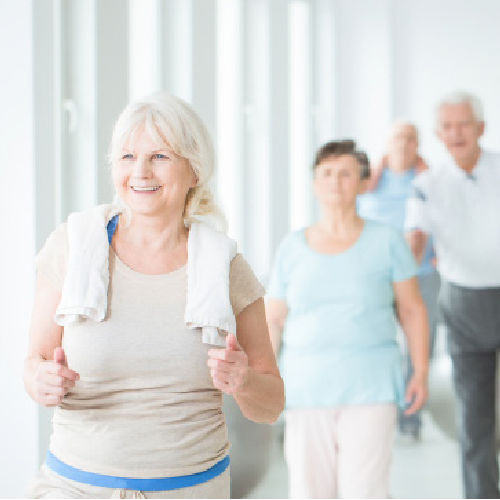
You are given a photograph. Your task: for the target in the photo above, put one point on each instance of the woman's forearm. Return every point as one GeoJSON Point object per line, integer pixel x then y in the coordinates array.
{"type": "Point", "coordinates": [31, 365]}
{"type": "Point", "coordinates": [415, 326]}
{"type": "Point", "coordinates": [275, 331]}
{"type": "Point", "coordinates": [262, 397]}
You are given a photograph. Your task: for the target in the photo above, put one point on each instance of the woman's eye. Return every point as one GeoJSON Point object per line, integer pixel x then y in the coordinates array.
{"type": "Point", "coordinates": [160, 156]}
{"type": "Point", "coordinates": [127, 156]}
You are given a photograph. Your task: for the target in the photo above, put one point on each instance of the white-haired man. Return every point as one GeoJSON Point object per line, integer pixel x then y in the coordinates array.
{"type": "Point", "coordinates": [459, 205]}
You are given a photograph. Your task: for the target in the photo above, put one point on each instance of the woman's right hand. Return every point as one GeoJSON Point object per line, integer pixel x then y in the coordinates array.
{"type": "Point", "coordinates": [53, 379]}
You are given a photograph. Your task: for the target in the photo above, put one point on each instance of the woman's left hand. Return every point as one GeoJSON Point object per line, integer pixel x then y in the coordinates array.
{"type": "Point", "coordinates": [229, 366]}
{"type": "Point", "coordinates": [416, 393]}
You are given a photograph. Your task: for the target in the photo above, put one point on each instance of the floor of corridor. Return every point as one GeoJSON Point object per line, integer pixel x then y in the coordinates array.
{"type": "Point", "coordinates": [429, 468]}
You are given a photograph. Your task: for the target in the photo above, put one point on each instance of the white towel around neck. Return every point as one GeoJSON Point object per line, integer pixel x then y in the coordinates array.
{"type": "Point", "coordinates": [85, 289]}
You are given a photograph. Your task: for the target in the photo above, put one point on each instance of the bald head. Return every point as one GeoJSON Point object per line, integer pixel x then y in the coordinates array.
{"type": "Point", "coordinates": [402, 146]}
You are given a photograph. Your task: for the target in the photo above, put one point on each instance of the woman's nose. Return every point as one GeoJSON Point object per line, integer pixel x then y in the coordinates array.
{"type": "Point", "coordinates": [335, 180]}
{"type": "Point", "coordinates": [142, 167]}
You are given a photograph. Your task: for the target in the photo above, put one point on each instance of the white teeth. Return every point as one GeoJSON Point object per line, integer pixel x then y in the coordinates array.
{"type": "Point", "coordinates": [146, 188]}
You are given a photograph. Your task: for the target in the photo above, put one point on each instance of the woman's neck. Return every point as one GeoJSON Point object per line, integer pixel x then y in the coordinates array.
{"type": "Point", "coordinates": [339, 221]}
{"type": "Point", "coordinates": [154, 232]}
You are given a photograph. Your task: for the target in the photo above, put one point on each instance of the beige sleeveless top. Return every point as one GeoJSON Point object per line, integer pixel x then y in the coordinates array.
{"type": "Point", "coordinates": [145, 405]}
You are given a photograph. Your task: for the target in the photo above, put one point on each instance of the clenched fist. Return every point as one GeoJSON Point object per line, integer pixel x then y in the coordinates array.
{"type": "Point", "coordinates": [229, 366]}
{"type": "Point", "coordinates": [53, 379]}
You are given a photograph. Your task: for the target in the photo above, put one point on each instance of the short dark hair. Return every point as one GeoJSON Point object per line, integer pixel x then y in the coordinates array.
{"type": "Point", "coordinates": [341, 148]}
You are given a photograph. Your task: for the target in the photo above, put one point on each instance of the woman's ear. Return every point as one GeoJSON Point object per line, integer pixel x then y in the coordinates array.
{"type": "Point", "coordinates": [364, 186]}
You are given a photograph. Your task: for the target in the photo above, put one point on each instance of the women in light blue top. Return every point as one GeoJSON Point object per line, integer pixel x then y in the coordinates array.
{"type": "Point", "coordinates": [331, 305]}
{"type": "Point", "coordinates": [340, 318]}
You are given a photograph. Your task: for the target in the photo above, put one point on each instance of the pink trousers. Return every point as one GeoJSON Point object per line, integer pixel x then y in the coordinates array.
{"type": "Point", "coordinates": [342, 452]}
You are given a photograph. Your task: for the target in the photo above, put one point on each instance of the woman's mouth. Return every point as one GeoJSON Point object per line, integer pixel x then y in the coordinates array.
{"type": "Point", "coordinates": [149, 189]}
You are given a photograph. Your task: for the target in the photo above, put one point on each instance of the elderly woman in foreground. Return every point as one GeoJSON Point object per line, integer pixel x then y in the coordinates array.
{"type": "Point", "coordinates": [144, 315]}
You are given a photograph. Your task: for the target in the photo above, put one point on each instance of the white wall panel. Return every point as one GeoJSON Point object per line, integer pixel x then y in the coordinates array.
{"type": "Point", "coordinates": [363, 71]}
{"type": "Point", "coordinates": [144, 55]}
{"type": "Point", "coordinates": [18, 414]}
{"type": "Point", "coordinates": [230, 115]}
{"type": "Point", "coordinates": [279, 121]}
{"type": "Point", "coordinates": [301, 112]}
{"type": "Point", "coordinates": [176, 41]}
{"type": "Point", "coordinates": [257, 144]}
{"type": "Point", "coordinates": [444, 46]}
{"type": "Point", "coordinates": [324, 71]}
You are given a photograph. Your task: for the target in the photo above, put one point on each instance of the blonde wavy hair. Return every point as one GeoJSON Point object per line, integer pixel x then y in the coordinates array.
{"type": "Point", "coordinates": [173, 123]}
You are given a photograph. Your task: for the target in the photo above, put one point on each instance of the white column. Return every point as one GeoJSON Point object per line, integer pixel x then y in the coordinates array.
{"type": "Point", "coordinates": [111, 83]}
{"type": "Point", "coordinates": [205, 71]}
{"type": "Point", "coordinates": [257, 134]}
{"type": "Point", "coordinates": [229, 115]}
{"type": "Point", "coordinates": [48, 117]}
{"type": "Point", "coordinates": [95, 90]}
{"type": "Point", "coordinates": [323, 71]}
{"type": "Point", "coordinates": [176, 32]}
{"type": "Point", "coordinates": [188, 54]}
{"type": "Point", "coordinates": [79, 155]}
{"type": "Point", "coordinates": [363, 72]}
{"type": "Point", "coordinates": [323, 54]}
{"type": "Point", "coordinates": [279, 120]}
{"type": "Point", "coordinates": [144, 51]}
{"type": "Point", "coordinates": [18, 415]}
{"type": "Point", "coordinates": [300, 71]}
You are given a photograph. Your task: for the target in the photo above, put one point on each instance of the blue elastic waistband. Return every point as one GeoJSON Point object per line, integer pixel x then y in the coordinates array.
{"type": "Point", "coordinates": [156, 484]}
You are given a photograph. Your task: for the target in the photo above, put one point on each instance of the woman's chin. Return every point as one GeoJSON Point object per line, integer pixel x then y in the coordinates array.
{"type": "Point", "coordinates": [339, 202]}
{"type": "Point", "coordinates": [145, 209]}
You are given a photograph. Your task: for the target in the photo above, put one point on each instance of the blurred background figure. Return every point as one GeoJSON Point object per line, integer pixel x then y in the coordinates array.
{"type": "Point", "coordinates": [389, 187]}
{"type": "Point", "coordinates": [331, 294]}
{"type": "Point", "coordinates": [458, 205]}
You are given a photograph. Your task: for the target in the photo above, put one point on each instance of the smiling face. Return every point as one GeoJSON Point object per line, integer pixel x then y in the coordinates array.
{"type": "Point", "coordinates": [150, 178]}
{"type": "Point", "coordinates": [460, 131]}
{"type": "Point", "coordinates": [337, 181]}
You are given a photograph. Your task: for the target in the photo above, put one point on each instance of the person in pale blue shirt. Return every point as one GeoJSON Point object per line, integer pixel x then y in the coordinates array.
{"type": "Point", "coordinates": [330, 306]}
{"type": "Point", "coordinates": [388, 191]}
